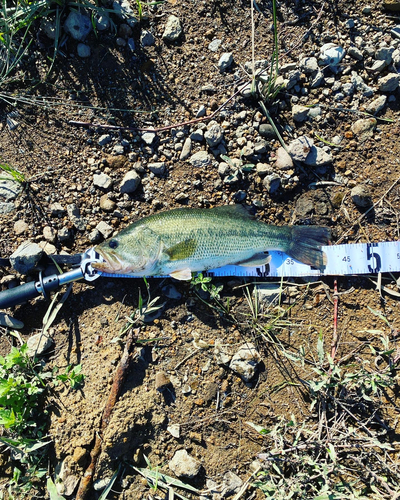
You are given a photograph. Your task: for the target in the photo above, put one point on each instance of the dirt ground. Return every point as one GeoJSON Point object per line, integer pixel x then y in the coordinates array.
{"type": "Point", "coordinates": [156, 87]}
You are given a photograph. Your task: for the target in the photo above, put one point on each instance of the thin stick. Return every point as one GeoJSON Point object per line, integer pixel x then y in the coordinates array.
{"type": "Point", "coordinates": [335, 319]}
{"type": "Point", "coordinates": [120, 374]}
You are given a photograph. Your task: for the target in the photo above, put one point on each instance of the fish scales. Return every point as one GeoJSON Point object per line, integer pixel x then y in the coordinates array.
{"type": "Point", "coordinates": [181, 241]}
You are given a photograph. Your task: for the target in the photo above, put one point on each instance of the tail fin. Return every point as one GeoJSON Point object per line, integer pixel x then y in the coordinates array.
{"type": "Point", "coordinates": [306, 245]}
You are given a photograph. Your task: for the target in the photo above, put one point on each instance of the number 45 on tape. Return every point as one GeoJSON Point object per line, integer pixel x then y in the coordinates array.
{"type": "Point", "coordinates": [347, 259]}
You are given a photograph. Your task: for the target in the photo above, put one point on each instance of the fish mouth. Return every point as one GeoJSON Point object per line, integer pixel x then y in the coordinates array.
{"type": "Point", "coordinates": [111, 264]}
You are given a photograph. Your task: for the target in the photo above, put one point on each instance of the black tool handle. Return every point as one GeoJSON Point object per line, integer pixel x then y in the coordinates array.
{"type": "Point", "coordinates": [28, 291]}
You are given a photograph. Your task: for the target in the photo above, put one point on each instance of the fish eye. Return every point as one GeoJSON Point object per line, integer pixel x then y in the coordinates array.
{"type": "Point", "coordinates": [113, 243]}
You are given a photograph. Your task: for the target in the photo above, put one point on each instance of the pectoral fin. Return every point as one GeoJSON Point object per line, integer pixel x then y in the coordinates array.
{"type": "Point", "coordinates": [182, 250]}
{"type": "Point", "coordinates": [182, 274]}
{"type": "Point", "coordinates": [259, 259]}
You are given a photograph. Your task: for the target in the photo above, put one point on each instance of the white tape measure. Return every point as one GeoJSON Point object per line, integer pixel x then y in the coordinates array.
{"type": "Point", "coordinates": [347, 259]}
{"type": "Point", "coordinates": [357, 258]}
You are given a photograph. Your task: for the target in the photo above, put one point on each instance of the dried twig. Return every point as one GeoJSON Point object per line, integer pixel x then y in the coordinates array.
{"type": "Point", "coordinates": [119, 378]}
{"type": "Point", "coordinates": [335, 319]}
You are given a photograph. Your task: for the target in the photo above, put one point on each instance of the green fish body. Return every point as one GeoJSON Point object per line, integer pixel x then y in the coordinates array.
{"type": "Point", "coordinates": [185, 240]}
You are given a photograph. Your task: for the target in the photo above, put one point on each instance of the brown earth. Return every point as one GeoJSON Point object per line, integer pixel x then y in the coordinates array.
{"type": "Point", "coordinates": [159, 87]}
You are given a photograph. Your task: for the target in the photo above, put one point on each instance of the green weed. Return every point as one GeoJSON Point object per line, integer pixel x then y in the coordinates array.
{"type": "Point", "coordinates": [72, 375]}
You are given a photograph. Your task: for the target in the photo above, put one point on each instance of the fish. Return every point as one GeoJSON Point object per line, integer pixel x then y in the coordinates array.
{"type": "Point", "coordinates": [183, 241]}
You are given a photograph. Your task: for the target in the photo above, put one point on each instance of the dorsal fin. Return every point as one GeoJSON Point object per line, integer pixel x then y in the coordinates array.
{"type": "Point", "coordinates": [237, 211]}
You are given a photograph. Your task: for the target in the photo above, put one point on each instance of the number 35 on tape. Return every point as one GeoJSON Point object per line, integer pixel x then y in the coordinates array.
{"type": "Point", "coordinates": [347, 259]}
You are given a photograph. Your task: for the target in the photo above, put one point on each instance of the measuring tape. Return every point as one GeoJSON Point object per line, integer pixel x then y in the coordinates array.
{"type": "Point", "coordinates": [356, 258]}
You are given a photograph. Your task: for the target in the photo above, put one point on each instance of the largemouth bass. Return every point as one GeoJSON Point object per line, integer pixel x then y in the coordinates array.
{"type": "Point", "coordinates": [186, 240]}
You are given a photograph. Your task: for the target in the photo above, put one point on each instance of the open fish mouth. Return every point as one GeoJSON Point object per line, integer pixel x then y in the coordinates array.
{"type": "Point", "coordinates": [110, 264]}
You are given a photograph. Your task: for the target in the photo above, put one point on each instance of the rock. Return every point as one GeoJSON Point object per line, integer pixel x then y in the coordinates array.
{"type": "Point", "coordinates": [361, 196]}
{"type": "Point", "coordinates": [106, 204]}
{"type": "Point", "coordinates": [376, 105]}
{"type": "Point", "coordinates": [94, 236]}
{"type": "Point", "coordinates": [184, 465]}
{"type": "Point", "coordinates": [83, 50]}
{"type": "Point", "coordinates": [64, 234]}
{"type": "Point", "coordinates": [47, 247]}
{"type": "Point", "coordinates": [148, 138]}
{"type": "Point", "coordinates": [162, 382]}
{"type": "Point", "coordinates": [230, 485]}
{"type": "Point", "coordinates": [105, 229]}
{"type": "Point", "coordinates": [12, 123]}
{"type": "Point", "coordinates": [214, 135]}
{"type": "Point", "coordinates": [10, 322]}
{"type": "Point", "coordinates": [78, 25]}
{"type": "Point", "coordinates": [9, 189]}
{"type": "Point", "coordinates": [300, 148]}
{"type": "Point", "coordinates": [20, 227]}
{"type": "Point", "coordinates": [266, 130]}
{"type": "Point", "coordinates": [124, 11]}
{"type": "Point", "coordinates": [49, 234]}
{"type": "Point", "coordinates": [221, 353]}
{"type": "Point", "coordinates": [173, 29]}
{"type": "Point", "coordinates": [331, 55]}
{"type": "Point", "coordinates": [309, 65]}
{"type": "Point", "coordinates": [130, 182]}
{"type": "Point", "coordinates": [355, 53]}
{"type": "Point", "coordinates": [181, 198]}
{"type": "Point", "coordinates": [174, 430]}
{"type": "Point", "coordinates": [299, 113]}
{"type": "Point", "coordinates": [395, 32]}
{"type": "Point", "coordinates": [389, 83]}
{"type": "Point", "coordinates": [187, 148]}
{"type": "Point", "coordinates": [317, 81]}
{"type": "Point", "coordinates": [26, 257]}
{"type": "Point", "coordinates": [360, 85]}
{"type": "Point", "coordinates": [214, 45]}
{"type": "Point", "coordinates": [364, 128]}
{"type": "Point", "coordinates": [38, 344]}
{"type": "Point", "coordinates": [272, 183]}
{"type": "Point", "coordinates": [104, 139]}
{"type": "Point", "coordinates": [102, 181]}
{"type": "Point", "coordinates": [384, 54]}
{"type": "Point", "coordinates": [318, 157]}
{"type": "Point", "coordinates": [392, 5]}
{"type": "Point", "coordinates": [74, 215]}
{"type": "Point", "coordinates": [201, 111]}
{"type": "Point", "coordinates": [118, 149]}
{"type": "Point", "coordinates": [6, 208]}
{"type": "Point", "coordinates": [57, 210]}
{"type": "Point", "coordinates": [147, 39]}
{"type": "Point", "coordinates": [200, 159]}
{"type": "Point", "coordinates": [225, 61]}
{"type": "Point", "coordinates": [79, 455]}
{"type": "Point", "coordinates": [245, 362]}
{"type": "Point", "coordinates": [157, 168]}
{"type": "Point", "coordinates": [283, 159]}
{"type": "Point", "coordinates": [263, 169]}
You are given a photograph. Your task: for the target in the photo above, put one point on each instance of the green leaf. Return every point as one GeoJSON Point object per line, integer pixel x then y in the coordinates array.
{"type": "Point", "coordinates": [320, 349]}
{"type": "Point", "coordinates": [51, 488]}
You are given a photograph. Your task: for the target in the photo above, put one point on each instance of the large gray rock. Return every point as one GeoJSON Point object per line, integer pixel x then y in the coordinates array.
{"type": "Point", "coordinates": [200, 159]}
{"type": "Point", "coordinates": [225, 61]}
{"type": "Point", "coordinates": [124, 11]}
{"type": "Point", "coordinates": [364, 128]}
{"type": "Point", "coordinates": [9, 189]}
{"type": "Point", "coordinates": [360, 85]}
{"type": "Point", "coordinates": [300, 148]}
{"type": "Point", "coordinates": [214, 135]}
{"type": "Point", "coordinates": [38, 344]}
{"type": "Point", "coordinates": [157, 168]}
{"type": "Point", "coordinates": [184, 465]}
{"type": "Point", "coordinates": [26, 257]}
{"type": "Point", "coordinates": [102, 181]}
{"type": "Point", "coordinates": [389, 83]}
{"type": "Point", "coordinates": [130, 182]}
{"type": "Point", "coordinates": [361, 196]}
{"type": "Point", "coordinates": [78, 25]}
{"type": "Point", "coordinates": [300, 113]}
